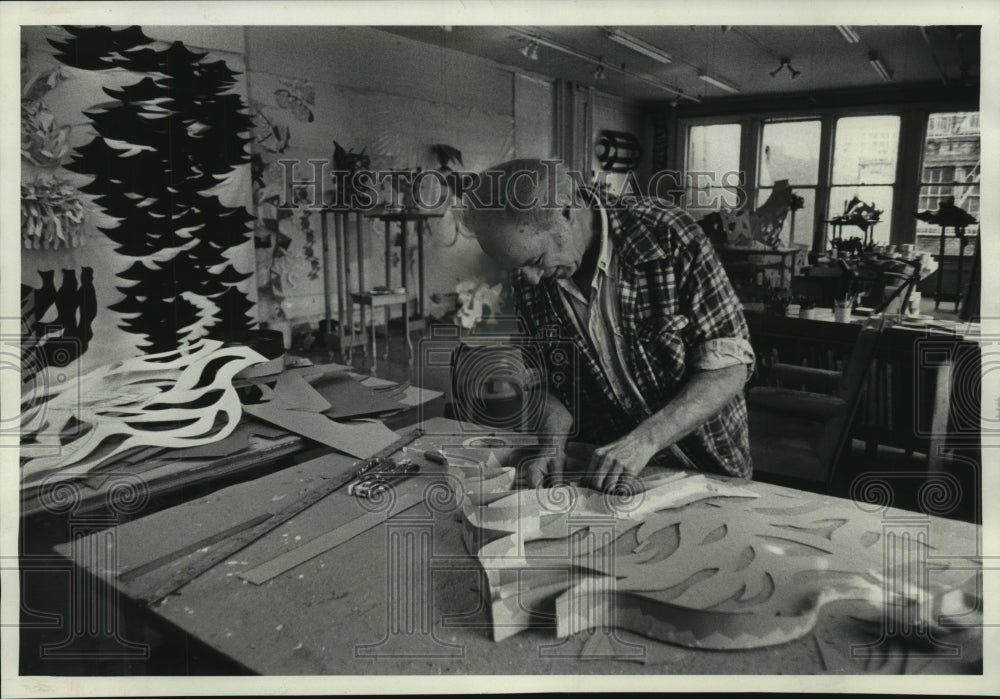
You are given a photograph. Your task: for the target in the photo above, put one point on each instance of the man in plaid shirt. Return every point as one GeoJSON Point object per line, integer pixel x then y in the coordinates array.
{"type": "Point", "coordinates": [634, 285]}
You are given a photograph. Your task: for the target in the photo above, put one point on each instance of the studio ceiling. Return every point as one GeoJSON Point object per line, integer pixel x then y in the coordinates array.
{"type": "Point", "coordinates": [744, 56]}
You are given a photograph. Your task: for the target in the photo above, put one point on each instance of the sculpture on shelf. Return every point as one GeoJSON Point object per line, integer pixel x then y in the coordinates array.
{"type": "Point", "coordinates": [768, 220]}
{"type": "Point", "coordinates": [948, 215]}
{"type": "Point", "coordinates": [858, 213]}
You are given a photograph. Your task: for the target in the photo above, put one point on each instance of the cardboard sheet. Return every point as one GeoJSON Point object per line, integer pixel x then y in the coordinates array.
{"type": "Point", "coordinates": [295, 393]}
{"type": "Point", "coordinates": [361, 439]}
{"type": "Point", "coordinates": [348, 398]}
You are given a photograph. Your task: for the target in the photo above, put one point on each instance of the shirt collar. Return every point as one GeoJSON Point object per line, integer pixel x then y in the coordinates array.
{"type": "Point", "coordinates": [604, 255]}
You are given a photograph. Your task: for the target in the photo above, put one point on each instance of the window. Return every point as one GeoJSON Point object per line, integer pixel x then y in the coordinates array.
{"type": "Point", "coordinates": [830, 156]}
{"type": "Point", "coordinates": [714, 152]}
{"type": "Point", "coordinates": [864, 166]}
{"type": "Point", "coordinates": [790, 151]}
{"type": "Point", "coordinates": [950, 169]}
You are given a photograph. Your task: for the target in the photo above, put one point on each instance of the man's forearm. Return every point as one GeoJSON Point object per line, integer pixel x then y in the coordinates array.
{"type": "Point", "coordinates": [556, 421]}
{"type": "Point", "coordinates": [699, 399]}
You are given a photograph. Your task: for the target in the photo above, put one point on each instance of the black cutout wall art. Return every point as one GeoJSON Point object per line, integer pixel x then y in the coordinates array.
{"type": "Point", "coordinates": [163, 144]}
{"type": "Point", "coordinates": [618, 151]}
{"type": "Point", "coordinates": [57, 321]}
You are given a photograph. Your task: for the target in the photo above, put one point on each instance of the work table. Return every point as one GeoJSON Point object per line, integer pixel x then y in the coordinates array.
{"type": "Point", "coordinates": [325, 615]}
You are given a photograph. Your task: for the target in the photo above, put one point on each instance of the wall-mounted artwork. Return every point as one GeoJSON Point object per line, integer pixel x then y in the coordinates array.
{"type": "Point", "coordinates": [618, 151]}
{"type": "Point", "coordinates": [165, 149]}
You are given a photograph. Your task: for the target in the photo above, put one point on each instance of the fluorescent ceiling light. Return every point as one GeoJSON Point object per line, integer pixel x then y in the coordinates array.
{"type": "Point", "coordinates": [880, 67]}
{"type": "Point", "coordinates": [720, 83]}
{"type": "Point", "coordinates": [584, 56]}
{"type": "Point", "coordinates": [639, 46]}
{"type": "Point", "coordinates": [850, 35]}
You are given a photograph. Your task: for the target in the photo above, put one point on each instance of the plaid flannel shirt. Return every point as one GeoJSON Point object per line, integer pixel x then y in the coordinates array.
{"type": "Point", "coordinates": [676, 302]}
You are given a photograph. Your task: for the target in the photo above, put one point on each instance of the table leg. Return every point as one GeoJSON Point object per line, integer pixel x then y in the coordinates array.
{"type": "Point", "coordinates": [961, 267]}
{"type": "Point", "coordinates": [341, 219]}
{"type": "Point", "coordinates": [374, 347]}
{"type": "Point", "coordinates": [940, 273]}
{"type": "Point", "coordinates": [344, 276]}
{"type": "Point", "coordinates": [350, 321]}
{"type": "Point", "coordinates": [387, 310]}
{"type": "Point", "coordinates": [409, 344]}
{"type": "Point", "coordinates": [385, 352]}
{"type": "Point", "coordinates": [324, 233]}
{"type": "Point", "coordinates": [421, 230]}
{"type": "Point", "coordinates": [404, 263]}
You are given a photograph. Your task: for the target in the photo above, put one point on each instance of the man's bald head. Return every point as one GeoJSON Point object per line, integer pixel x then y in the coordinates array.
{"type": "Point", "coordinates": [525, 216]}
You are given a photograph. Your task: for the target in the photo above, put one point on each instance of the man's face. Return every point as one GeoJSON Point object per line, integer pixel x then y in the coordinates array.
{"type": "Point", "coordinates": [552, 250]}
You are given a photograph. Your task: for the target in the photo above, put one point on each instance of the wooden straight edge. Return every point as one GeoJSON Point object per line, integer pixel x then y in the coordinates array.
{"type": "Point", "coordinates": [227, 549]}
{"type": "Point", "coordinates": [325, 542]}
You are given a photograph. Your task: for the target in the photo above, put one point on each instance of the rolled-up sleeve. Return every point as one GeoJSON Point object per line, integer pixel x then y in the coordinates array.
{"type": "Point", "coordinates": [721, 352]}
{"type": "Point", "coordinates": [717, 335]}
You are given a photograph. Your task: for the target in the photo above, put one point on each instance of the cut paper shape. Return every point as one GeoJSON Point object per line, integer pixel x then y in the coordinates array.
{"type": "Point", "coordinates": [180, 398]}
{"type": "Point", "coordinates": [361, 440]}
{"type": "Point", "coordinates": [325, 542]}
{"type": "Point", "coordinates": [295, 393]}
{"type": "Point", "coordinates": [348, 398]}
{"type": "Point", "coordinates": [739, 570]}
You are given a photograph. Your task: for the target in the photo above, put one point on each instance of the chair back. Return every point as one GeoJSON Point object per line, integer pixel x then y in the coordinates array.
{"type": "Point", "coordinates": [851, 388]}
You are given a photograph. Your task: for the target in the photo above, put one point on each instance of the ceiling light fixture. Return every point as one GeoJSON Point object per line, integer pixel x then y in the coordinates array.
{"type": "Point", "coordinates": [850, 35]}
{"type": "Point", "coordinates": [880, 67]}
{"type": "Point", "coordinates": [583, 55]}
{"type": "Point", "coordinates": [786, 63]}
{"type": "Point", "coordinates": [530, 50]}
{"type": "Point", "coordinates": [599, 73]}
{"type": "Point", "coordinates": [639, 46]}
{"type": "Point", "coordinates": [718, 82]}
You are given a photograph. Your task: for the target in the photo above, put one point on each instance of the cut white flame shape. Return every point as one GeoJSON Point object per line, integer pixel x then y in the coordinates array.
{"type": "Point", "coordinates": [134, 401]}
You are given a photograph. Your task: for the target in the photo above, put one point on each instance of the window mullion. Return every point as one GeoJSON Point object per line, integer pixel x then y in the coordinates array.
{"type": "Point", "coordinates": [909, 170]}
{"type": "Point", "coordinates": [822, 204]}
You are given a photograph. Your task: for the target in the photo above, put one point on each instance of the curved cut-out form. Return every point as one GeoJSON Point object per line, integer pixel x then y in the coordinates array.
{"type": "Point", "coordinates": [124, 403]}
{"type": "Point", "coordinates": [745, 569]}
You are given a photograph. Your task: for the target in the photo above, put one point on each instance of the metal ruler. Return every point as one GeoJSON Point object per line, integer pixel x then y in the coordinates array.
{"type": "Point", "coordinates": [222, 551]}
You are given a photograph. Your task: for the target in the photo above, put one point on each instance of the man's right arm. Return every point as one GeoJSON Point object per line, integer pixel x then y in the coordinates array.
{"type": "Point", "coordinates": [547, 463]}
{"type": "Point", "coordinates": [556, 421]}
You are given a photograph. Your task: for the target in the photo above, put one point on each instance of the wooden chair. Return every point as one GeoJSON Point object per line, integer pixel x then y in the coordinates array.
{"type": "Point", "coordinates": [800, 429]}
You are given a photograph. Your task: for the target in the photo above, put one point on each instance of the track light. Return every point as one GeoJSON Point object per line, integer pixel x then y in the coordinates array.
{"type": "Point", "coordinates": [591, 58]}
{"type": "Point", "coordinates": [718, 82]}
{"type": "Point", "coordinates": [850, 35]}
{"type": "Point", "coordinates": [880, 67]}
{"type": "Point", "coordinates": [530, 50]}
{"type": "Point", "coordinates": [639, 46]}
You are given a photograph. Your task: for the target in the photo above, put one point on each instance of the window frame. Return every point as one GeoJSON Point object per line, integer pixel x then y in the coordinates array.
{"type": "Point", "coordinates": [914, 118]}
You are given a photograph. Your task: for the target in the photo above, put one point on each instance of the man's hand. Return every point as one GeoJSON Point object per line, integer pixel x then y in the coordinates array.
{"type": "Point", "coordinates": [619, 462]}
{"type": "Point", "coordinates": [543, 470]}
